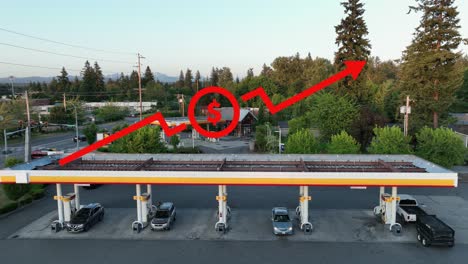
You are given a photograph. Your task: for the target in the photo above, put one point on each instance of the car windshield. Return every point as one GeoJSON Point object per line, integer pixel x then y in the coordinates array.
{"type": "Point", "coordinates": [162, 214]}
{"type": "Point", "coordinates": [281, 218]}
{"type": "Point", "coordinates": [82, 213]}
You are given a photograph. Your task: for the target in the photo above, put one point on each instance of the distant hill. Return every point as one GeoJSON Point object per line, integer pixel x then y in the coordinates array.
{"type": "Point", "coordinates": [24, 80]}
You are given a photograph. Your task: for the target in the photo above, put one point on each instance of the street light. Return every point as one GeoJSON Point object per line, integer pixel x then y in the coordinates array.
{"type": "Point", "coordinates": [76, 128]}
{"type": "Point", "coordinates": [279, 140]}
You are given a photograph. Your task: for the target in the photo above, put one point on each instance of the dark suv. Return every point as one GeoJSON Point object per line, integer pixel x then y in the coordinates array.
{"type": "Point", "coordinates": [85, 218]}
{"type": "Point", "coordinates": [432, 231]}
{"type": "Point", "coordinates": [164, 217]}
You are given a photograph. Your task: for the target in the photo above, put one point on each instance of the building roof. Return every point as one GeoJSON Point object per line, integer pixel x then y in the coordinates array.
{"type": "Point", "coordinates": [227, 113]}
{"type": "Point", "coordinates": [241, 169]}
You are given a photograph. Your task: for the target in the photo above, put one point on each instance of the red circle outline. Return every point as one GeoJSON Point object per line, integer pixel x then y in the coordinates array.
{"type": "Point", "coordinates": [235, 108]}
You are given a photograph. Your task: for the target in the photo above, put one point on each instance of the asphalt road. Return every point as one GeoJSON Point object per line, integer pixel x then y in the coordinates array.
{"type": "Point", "coordinates": [60, 141]}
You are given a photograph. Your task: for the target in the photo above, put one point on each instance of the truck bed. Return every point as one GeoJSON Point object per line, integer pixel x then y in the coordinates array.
{"type": "Point", "coordinates": [411, 209]}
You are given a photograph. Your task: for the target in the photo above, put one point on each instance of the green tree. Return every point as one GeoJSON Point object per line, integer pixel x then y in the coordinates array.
{"type": "Point", "coordinates": [147, 77]}
{"type": "Point", "coordinates": [175, 141]}
{"type": "Point", "coordinates": [63, 81]}
{"type": "Point", "coordinates": [144, 140]}
{"type": "Point", "coordinates": [298, 123]}
{"type": "Point", "coordinates": [197, 81]}
{"type": "Point", "coordinates": [90, 132]}
{"type": "Point", "coordinates": [332, 114]}
{"type": "Point", "coordinates": [441, 146]}
{"type": "Point", "coordinates": [343, 143]}
{"type": "Point", "coordinates": [352, 45]}
{"type": "Point", "coordinates": [188, 80]}
{"type": "Point", "coordinates": [428, 72]}
{"type": "Point", "coordinates": [181, 82]}
{"type": "Point", "coordinates": [302, 142]}
{"type": "Point", "coordinates": [214, 77]}
{"type": "Point", "coordinates": [261, 133]}
{"type": "Point", "coordinates": [390, 140]}
{"type": "Point", "coordinates": [111, 112]}
{"type": "Point", "coordinates": [88, 81]}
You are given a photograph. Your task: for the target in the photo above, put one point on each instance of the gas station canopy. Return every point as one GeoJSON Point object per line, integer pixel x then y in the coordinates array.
{"type": "Point", "coordinates": [238, 169]}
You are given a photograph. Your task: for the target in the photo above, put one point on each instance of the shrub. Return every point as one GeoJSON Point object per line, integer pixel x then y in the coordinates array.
{"type": "Point", "coordinates": [12, 161]}
{"type": "Point", "coordinates": [390, 140]}
{"type": "Point", "coordinates": [15, 191]}
{"type": "Point", "coordinates": [8, 207]}
{"type": "Point", "coordinates": [302, 142]}
{"type": "Point", "coordinates": [343, 143]}
{"type": "Point", "coordinates": [90, 132]}
{"type": "Point", "coordinates": [175, 141]}
{"type": "Point", "coordinates": [441, 146]}
{"type": "Point", "coordinates": [27, 199]}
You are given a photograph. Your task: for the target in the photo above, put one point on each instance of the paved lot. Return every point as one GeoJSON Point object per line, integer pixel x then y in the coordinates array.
{"type": "Point", "coordinates": [331, 225]}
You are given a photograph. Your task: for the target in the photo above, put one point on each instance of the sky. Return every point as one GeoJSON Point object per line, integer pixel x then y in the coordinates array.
{"type": "Point", "coordinates": [176, 35]}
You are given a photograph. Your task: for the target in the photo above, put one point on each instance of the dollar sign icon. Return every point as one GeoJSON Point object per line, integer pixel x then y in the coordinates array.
{"type": "Point", "coordinates": [213, 115]}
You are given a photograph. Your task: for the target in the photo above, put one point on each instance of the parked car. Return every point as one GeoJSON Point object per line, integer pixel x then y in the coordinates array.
{"type": "Point", "coordinates": [432, 231]}
{"type": "Point", "coordinates": [408, 208]}
{"type": "Point", "coordinates": [85, 218]}
{"type": "Point", "coordinates": [164, 217]}
{"type": "Point", "coordinates": [80, 138]}
{"type": "Point", "coordinates": [39, 153]}
{"type": "Point", "coordinates": [282, 224]}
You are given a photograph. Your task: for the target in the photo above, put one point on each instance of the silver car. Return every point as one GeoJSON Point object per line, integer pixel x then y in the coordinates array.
{"type": "Point", "coordinates": [282, 224]}
{"type": "Point", "coordinates": [164, 217]}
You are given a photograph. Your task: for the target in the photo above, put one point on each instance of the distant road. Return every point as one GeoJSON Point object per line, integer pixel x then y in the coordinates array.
{"type": "Point", "coordinates": [61, 141]}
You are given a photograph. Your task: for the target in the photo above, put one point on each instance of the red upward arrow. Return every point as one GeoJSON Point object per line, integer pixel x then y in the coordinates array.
{"type": "Point", "coordinates": [353, 68]}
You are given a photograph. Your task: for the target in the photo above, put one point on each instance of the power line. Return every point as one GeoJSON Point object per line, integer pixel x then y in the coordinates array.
{"type": "Point", "coordinates": [62, 54]}
{"type": "Point", "coordinates": [65, 44]}
{"type": "Point", "coordinates": [35, 66]}
{"type": "Point", "coordinates": [50, 68]}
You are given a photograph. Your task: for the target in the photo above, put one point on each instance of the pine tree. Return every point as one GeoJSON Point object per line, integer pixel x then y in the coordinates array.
{"type": "Point", "coordinates": [250, 73]}
{"type": "Point", "coordinates": [181, 82]}
{"type": "Point", "coordinates": [266, 71]}
{"type": "Point", "coordinates": [214, 77]}
{"type": "Point", "coordinates": [99, 80]}
{"type": "Point", "coordinates": [147, 77]}
{"type": "Point", "coordinates": [197, 80]}
{"type": "Point", "coordinates": [188, 79]}
{"type": "Point", "coordinates": [88, 82]}
{"type": "Point", "coordinates": [63, 81]}
{"type": "Point", "coordinates": [352, 45]}
{"type": "Point", "coordinates": [428, 72]}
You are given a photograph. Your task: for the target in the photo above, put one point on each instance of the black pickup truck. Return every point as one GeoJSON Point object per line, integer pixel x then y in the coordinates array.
{"type": "Point", "coordinates": [432, 231]}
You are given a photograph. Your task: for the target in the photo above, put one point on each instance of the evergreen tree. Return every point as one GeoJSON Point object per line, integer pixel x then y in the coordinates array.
{"type": "Point", "coordinates": [133, 86]}
{"type": "Point", "coordinates": [181, 82]}
{"type": "Point", "coordinates": [88, 82]}
{"type": "Point", "coordinates": [250, 73]}
{"type": "Point", "coordinates": [100, 83]}
{"type": "Point", "coordinates": [352, 45]}
{"type": "Point", "coordinates": [266, 71]}
{"type": "Point", "coordinates": [188, 79]}
{"type": "Point", "coordinates": [428, 72]}
{"type": "Point", "coordinates": [214, 77]}
{"type": "Point", "coordinates": [147, 77]}
{"type": "Point", "coordinates": [225, 77]}
{"type": "Point", "coordinates": [197, 81]}
{"type": "Point", "coordinates": [63, 82]}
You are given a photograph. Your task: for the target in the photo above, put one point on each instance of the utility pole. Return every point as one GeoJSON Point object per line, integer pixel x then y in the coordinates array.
{"type": "Point", "coordinates": [12, 87]}
{"type": "Point", "coordinates": [27, 138]}
{"type": "Point", "coordinates": [139, 85]}
{"type": "Point", "coordinates": [406, 110]}
{"type": "Point", "coordinates": [181, 99]}
{"type": "Point", "coordinates": [64, 102]}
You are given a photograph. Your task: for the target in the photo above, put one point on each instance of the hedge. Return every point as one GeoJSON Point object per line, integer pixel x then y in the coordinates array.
{"type": "Point", "coordinates": [15, 191]}
{"type": "Point", "coordinates": [8, 207]}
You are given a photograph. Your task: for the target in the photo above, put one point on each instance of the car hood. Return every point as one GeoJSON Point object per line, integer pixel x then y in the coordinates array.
{"type": "Point", "coordinates": [282, 225]}
{"type": "Point", "coordinates": [160, 220]}
{"type": "Point", "coordinates": [77, 221]}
